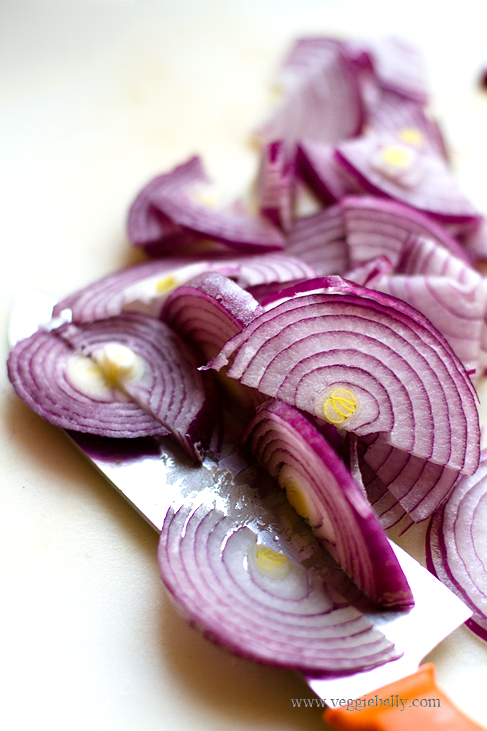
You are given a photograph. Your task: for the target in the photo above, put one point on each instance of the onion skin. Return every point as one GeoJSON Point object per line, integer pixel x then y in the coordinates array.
{"type": "Point", "coordinates": [170, 396]}
{"type": "Point", "coordinates": [343, 335]}
{"type": "Point", "coordinates": [455, 545]}
{"type": "Point", "coordinates": [284, 441]}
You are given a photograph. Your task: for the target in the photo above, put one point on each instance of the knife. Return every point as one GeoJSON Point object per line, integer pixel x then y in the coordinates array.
{"type": "Point", "coordinates": [396, 695]}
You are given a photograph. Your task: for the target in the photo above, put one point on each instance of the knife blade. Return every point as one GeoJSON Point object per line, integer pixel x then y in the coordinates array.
{"type": "Point", "coordinates": [392, 696]}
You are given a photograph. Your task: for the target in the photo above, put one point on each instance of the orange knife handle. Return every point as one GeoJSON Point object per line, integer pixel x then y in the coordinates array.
{"type": "Point", "coordinates": [413, 703]}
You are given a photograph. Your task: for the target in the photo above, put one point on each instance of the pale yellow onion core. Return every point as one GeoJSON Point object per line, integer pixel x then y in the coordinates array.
{"type": "Point", "coordinates": [166, 284]}
{"type": "Point", "coordinates": [397, 156]}
{"type": "Point", "coordinates": [340, 405]}
{"type": "Point", "coordinates": [270, 562]}
{"type": "Point", "coordinates": [412, 136]}
{"type": "Point", "coordinates": [296, 496]}
{"type": "Point", "coordinates": [118, 363]}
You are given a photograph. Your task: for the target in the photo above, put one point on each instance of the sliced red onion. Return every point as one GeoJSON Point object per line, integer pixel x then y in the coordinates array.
{"type": "Point", "coordinates": [387, 166]}
{"type": "Point", "coordinates": [456, 549]}
{"type": "Point", "coordinates": [456, 310]}
{"type": "Point", "coordinates": [177, 201]}
{"type": "Point", "coordinates": [327, 178]}
{"type": "Point", "coordinates": [319, 240]}
{"type": "Point", "coordinates": [147, 225]}
{"type": "Point", "coordinates": [275, 185]}
{"type": "Point", "coordinates": [376, 226]}
{"type": "Point", "coordinates": [425, 255]}
{"type": "Point", "coordinates": [475, 244]}
{"type": "Point", "coordinates": [386, 507]}
{"type": "Point", "coordinates": [322, 99]}
{"type": "Point", "coordinates": [145, 287]}
{"type": "Point", "coordinates": [127, 376]}
{"type": "Point", "coordinates": [408, 120]}
{"type": "Point", "coordinates": [322, 490]}
{"type": "Point", "coordinates": [417, 484]}
{"type": "Point", "coordinates": [399, 67]}
{"type": "Point", "coordinates": [371, 271]}
{"type": "Point", "coordinates": [259, 602]}
{"type": "Point", "coordinates": [209, 310]}
{"type": "Point", "coordinates": [364, 361]}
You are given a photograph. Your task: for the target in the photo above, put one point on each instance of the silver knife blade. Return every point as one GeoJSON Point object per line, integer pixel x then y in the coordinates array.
{"type": "Point", "coordinates": [151, 480]}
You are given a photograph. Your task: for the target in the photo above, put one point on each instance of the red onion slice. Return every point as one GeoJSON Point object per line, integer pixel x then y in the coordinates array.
{"type": "Point", "coordinates": [327, 178]}
{"type": "Point", "coordinates": [322, 99]}
{"type": "Point", "coordinates": [274, 188]}
{"type": "Point", "coordinates": [456, 310]}
{"type": "Point", "coordinates": [173, 198]}
{"type": "Point", "coordinates": [399, 67]}
{"type": "Point", "coordinates": [151, 385]}
{"type": "Point", "coordinates": [401, 376]}
{"type": "Point", "coordinates": [149, 227]}
{"type": "Point", "coordinates": [319, 240]}
{"type": "Point", "coordinates": [456, 546]}
{"type": "Point", "coordinates": [390, 112]}
{"type": "Point", "coordinates": [376, 227]}
{"type": "Point", "coordinates": [417, 484]}
{"type": "Point", "coordinates": [209, 310]}
{"type": "Point", "coordinates": [258, 602]}
{"type": "Point", "coordinates": [387, 166]}
{"type": "Point", "coordinates": [322, 490]}
{"type": "Point", "coordinates": [145, 287]}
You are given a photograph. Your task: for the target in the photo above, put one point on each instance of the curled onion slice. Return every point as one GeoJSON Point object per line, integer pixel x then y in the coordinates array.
{"type": "Point", "coordinates": [181, 205]}
{"type": "Point", "coordinates": [275, 185]}
{"type": "Point", "coordinates": [259, 602]}
{"type": "Point", "coordinates": [385, 165]}
{"type": "Point", "coordinates": [317, 166]}
{"type": "Point", "coordinates": [322, 98]}
{"type": "Point", "coordinates": [376, 227]}
{"type": "Point", "coordinates": [322, 490]}
{"type": "Point", "coordinates": [319, 240]}
{"type": "Point", "coordinates": [456, 310]}
{"type": "Point", "coordinates": [364, 361]}
{"type": "Point", "coordinates": [456, 550]}
{"type": "Point", "coordinates": [209, 310]}
{"type": "Point", "coordinates": [127, 376]}
{"type": "Point", "coordinates": [145, 287]}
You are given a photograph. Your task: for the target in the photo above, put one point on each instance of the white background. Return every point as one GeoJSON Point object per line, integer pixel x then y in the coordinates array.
{"type": "Point", "coordinates": [95, 98]}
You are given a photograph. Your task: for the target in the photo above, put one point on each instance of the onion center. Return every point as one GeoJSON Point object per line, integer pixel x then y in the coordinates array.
{"type": "Point", "coordinates": [269, 562]}
{"type": "Point", "coordinates": [412, 136]}
{"type": "Point", "coordinates": [340, 405]}
{"type": "Point", "coordinates": [118, 363]}
{"type": "Point", "coordinates": [398, 162]}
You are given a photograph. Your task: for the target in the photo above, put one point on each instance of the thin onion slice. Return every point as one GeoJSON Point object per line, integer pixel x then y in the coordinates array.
{"type": "Point", "coordinates": [322, 490]}
{"type": "Point", "coordinates": [261, 603]}
{"type": "Point", "coordinates": [58, 374]}
{"type": "Point", "coordinates": [209, 310]}
{"type": "Point", "coordinates": [274, 187]}
{"type": "Point", "coordinates": [319, 240]}
{"type": "Point", "coordinates": [145, 287]}
{"type": "Point", "coordinates": [418, 485]}
{"type": "Point", "coordinates": [322, 99]}
{"type": "Point", "coordinates": [387, 166]}
{"type": "Point", "coordinates": [402, 376]}
{"type": "Point", "coordinates": [181, 204]}
{"type": "Point", "coordinates": [456, 549]}
{"type": "Point", "coordinates": [376, 227]}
